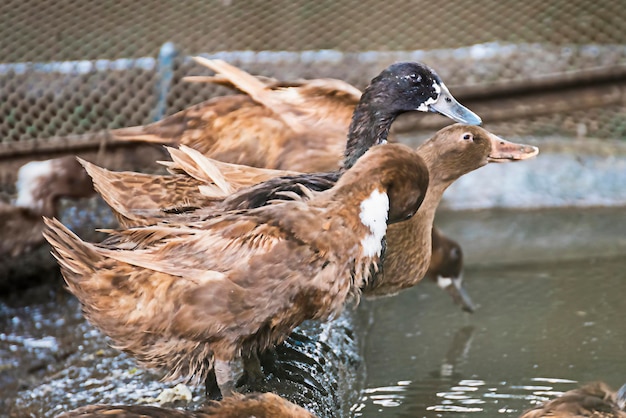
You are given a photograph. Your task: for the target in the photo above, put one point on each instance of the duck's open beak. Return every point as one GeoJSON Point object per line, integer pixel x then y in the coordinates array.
{"type": "Point", "coordinates": [455, 289]}
{"type": "Point", "coordinates": [502, 150]}
{"type": "Point", "coordinates": [448, 106]}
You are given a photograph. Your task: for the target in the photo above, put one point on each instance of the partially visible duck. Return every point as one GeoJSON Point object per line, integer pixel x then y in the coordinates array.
{"type": "Point", "coordinates": [254, 405]}
{"type": "Point", "coordinates": [446, 269]}
{"type": "Point", "coordinates": [450, 153]}
{"type": "Point", "coordinates": [190, 298]}
{"type": "Point", "coordinates": [40, 185]}
{"type": "Point", "coordinates": [302, 125]}
{"type": "Point", "coordinates": [594, 400]}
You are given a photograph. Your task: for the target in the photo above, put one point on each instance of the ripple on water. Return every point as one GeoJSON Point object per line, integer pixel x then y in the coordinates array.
{"type": "Point", "coordinates": [461, 397]}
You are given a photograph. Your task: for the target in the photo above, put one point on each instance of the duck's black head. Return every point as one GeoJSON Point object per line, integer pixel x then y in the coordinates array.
{"type": "Point", "coordinates": [408, 86]}
{"type": "Point", "coordinates": [401, 87]}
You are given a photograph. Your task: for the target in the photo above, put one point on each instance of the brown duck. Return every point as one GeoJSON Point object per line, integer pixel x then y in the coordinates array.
{"type": "Point", "coordinates": [254, 405]}
{"type": "Point", "coordinates": [594, 400]}
{"type": "Point", "coordinates": [450, 153]}
{"type": "Point", "coordinates": [192, 297]}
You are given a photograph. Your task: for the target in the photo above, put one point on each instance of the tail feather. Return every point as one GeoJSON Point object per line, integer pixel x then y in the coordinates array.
{"type": "Point", "coordinates": [240, 79]}
{"type": "Point", "coordinates": [200, 167]}
{"type": "Point", "coordinates": [75, 256]}
{"type": "Point", "coordinates": [104, 183]}
{"type": "Point", "coordinates": [138, 133]}
{"type": "Point", "coordinates": [259, 91]}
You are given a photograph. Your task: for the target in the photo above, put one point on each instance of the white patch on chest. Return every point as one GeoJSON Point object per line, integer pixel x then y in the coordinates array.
{"type": "Point", "coordinates": [29, 180]}
{"type": "Point", "coordinates": [424, 106]}
{"type": "Point", "coordinates": [374, 211]}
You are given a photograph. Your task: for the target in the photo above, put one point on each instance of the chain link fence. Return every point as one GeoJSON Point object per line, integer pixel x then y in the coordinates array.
{"type": "Point", "coordinates": [75, 68]}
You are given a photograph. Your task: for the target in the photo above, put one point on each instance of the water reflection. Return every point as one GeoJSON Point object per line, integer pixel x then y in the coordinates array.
{"type": "Point", "coordinates": [420, 392]}
{"type": "Point", "coordinates": [463, 397]}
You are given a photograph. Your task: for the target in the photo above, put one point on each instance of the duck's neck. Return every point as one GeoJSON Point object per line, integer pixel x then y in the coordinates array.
{"type": "Point", "coordinates": [409, 243]}
{"type": "Point", "coordinates": [370, 126]}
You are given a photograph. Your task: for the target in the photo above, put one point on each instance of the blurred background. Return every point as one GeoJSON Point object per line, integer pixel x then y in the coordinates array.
{"type": "Point", "coordinates": [549, 283]}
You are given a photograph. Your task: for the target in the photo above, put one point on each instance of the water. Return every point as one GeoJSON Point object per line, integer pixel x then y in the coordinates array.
{"type": "Point", "coordinates": [539, 331]}
{"type": "Point", "coordinates": [549, 286]}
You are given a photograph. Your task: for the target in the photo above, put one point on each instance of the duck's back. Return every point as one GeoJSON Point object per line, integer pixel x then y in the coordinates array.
{"type": "Point", "coordinates": [299, 125]}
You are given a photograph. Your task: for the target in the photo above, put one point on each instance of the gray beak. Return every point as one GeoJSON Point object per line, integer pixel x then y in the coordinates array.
{"type": "Point", "coordinates": [448, 106]}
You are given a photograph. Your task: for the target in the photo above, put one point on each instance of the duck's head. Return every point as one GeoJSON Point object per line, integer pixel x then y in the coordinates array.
{"type": "Point", "coordinates": [446, 268]}
{"type": "Point", "coordinates": [41, 183]}
{"type": "Point", "coordinates": [412, 86]}
{"type": "Point", "coordinates": [458, 149]}
{"type": "Point", "coordinates": [400, 88]}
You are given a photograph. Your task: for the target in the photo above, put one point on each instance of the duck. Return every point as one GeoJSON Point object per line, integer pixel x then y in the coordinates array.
{"type": "Point", "coordinates": [593, 400]}
{"type": "Point", "coordinates": [446, 269]}
{"type": "Point", "coordinates": [192, 298]}
{"type": "Point", "coordinates": [452, 152]}
{"type": "Point", "coordinates": [300, 125]}
{"type": "Point", "coordinates": [40, 185]}
{"type": "Point", "coordinates": [252, 405]}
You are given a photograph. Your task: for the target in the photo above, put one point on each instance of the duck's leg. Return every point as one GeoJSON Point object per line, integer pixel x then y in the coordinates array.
{"type": "Point", "coordinates": [252, 372]}
{"type": "Point", "coordinates": [224, 377]}
{"type": "Point", "coordinates": [211, 388]}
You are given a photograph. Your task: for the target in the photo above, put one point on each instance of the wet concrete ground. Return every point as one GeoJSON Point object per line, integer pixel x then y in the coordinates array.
{"type": "Point", "coordinates": [550, 289]}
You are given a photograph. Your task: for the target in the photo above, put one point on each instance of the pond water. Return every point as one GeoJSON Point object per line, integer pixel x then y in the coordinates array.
{"type": "Point", "coordinates": [550, 289]}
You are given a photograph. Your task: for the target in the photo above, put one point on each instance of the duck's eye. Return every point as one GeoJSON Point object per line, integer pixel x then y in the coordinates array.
{"type": "Point", "coordinates": [415, 77]}
{"type": "Point", "coordinates": [468, 137]}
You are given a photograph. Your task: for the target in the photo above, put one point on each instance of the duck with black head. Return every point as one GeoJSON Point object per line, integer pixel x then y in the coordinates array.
{"type": "Point", "coordinates": [300, 125]}
{"type": "Point", "coordinates": [192, 297]}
